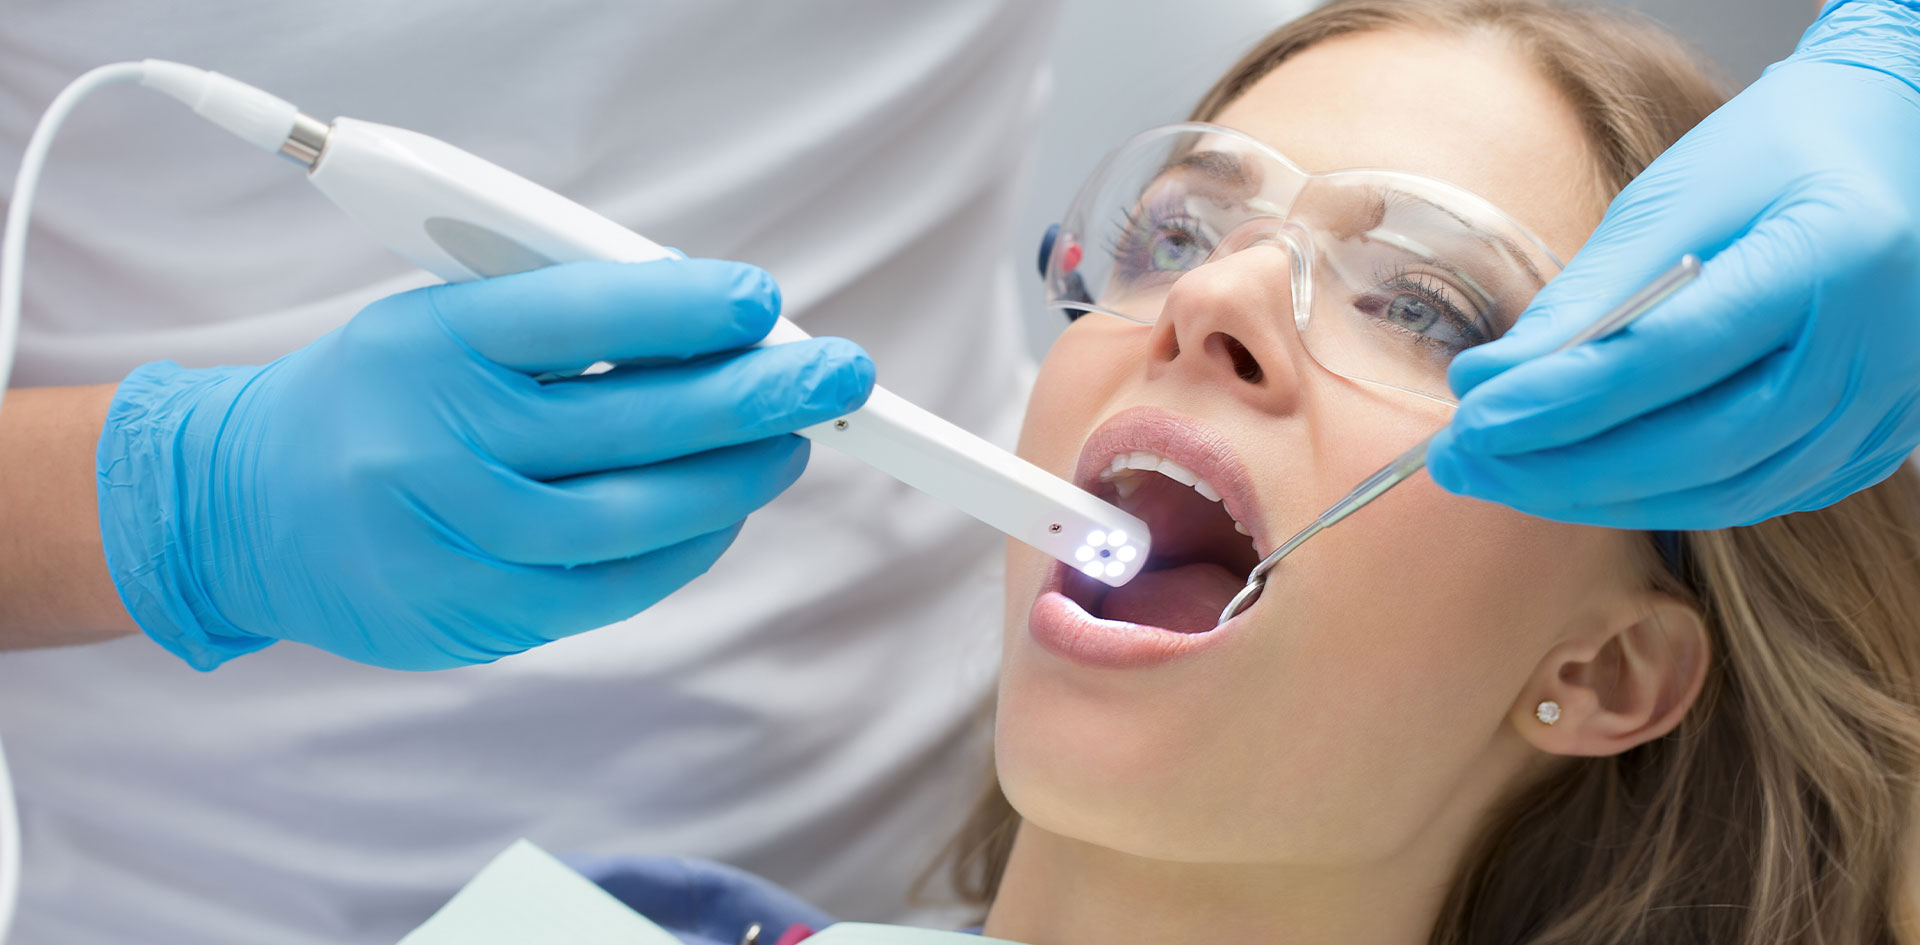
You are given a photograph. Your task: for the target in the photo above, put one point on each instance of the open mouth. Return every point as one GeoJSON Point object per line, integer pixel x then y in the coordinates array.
{"type": "Point", "coordinates": [1201, 554]}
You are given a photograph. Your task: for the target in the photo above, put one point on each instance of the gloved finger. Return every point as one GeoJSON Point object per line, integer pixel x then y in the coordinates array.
{"type": "Point", "coordinates": [1851, 480]}
{"type": "Point", "coordinates": [634, 416]}
{"type": "Point", "coordinates": [1754, 492]}
{"type": "Point", "coordinates": [1749, 301]}
{"type": "Point", "coordinates": [629, 512]}
{"type": "Point", "coordinates": [590, 597]}
{"type": "Point", "coordinates": [613, 591]}
{"type": "Point", "coordinates": [1743, 500]}
{"type": "Point", "coordinates": [1771, 405]}
{"type": "Point", "coordinates": [569, 316]}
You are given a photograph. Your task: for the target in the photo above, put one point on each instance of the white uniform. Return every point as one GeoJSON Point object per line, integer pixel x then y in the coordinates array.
{"type": "Point", "coordinates": [805, 711]}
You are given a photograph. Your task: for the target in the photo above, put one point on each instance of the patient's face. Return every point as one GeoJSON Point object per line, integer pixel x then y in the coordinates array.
{"type": "Point", "coordinates": [1374, 688]}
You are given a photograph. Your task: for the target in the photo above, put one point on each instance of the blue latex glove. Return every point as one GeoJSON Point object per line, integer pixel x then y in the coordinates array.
{"type": "Point", "coordinates": [403, 493]}
{"type": "Point", "coordinates": [1785, 377]}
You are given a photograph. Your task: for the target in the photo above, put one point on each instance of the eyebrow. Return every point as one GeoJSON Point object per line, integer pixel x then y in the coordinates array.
{"type": "Point", "coordinates": [1217, 165]}
{"type": "Point", "coordinates": [1230, 168]}
{"type": "Point", "coordinates": [1505, 246]}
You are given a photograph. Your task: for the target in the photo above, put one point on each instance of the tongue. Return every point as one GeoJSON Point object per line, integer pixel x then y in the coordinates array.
{"type": "Point", "coordinates": [1184, 523]}
{"type": "Point", "coordinates": [1187, 599]}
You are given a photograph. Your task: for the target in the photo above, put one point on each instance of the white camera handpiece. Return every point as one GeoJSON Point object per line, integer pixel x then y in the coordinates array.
{"type": "Point", "coordinates": [463, 218]}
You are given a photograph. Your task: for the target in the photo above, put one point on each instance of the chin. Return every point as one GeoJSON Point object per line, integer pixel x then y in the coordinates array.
{"type": "Point", "coordinates": [1111, 765]}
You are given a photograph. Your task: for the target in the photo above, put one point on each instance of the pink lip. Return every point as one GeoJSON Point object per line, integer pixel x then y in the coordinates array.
{"type": "Point", "coordinates": [1062, 628]}
{"type": "Point", "coordinates": [1184, 440]}
{"type": "Point", "coordinates": [1066, 630]}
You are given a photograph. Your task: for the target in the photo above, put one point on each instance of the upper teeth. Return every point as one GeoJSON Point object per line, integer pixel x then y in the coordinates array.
{"type": "Point", "coordinates": [1119, 472]}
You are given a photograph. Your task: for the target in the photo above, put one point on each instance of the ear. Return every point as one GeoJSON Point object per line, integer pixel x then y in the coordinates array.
{"type": "Point", "coordinates": [1621, 686]}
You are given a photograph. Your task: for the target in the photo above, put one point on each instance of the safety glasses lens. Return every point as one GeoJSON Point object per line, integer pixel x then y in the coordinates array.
{"type": "Point", "coordinates": [1385, 276]}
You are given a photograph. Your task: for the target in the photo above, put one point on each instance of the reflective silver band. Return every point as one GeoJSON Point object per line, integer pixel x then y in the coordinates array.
{"type": "Point", "coordinates": [305, 142]}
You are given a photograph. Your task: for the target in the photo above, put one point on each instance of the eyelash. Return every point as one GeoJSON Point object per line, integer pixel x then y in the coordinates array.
{"type": "Point", "coordinates": [1130, 245]}
{"type": "Point", "coordinates": [1131, 241]}
{"type": "Point", "coordinates": [1431, 290]}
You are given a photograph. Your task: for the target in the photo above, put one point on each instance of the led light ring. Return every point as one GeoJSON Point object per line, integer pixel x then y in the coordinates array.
{"type": "Point", "coordinates": [1106, 554]}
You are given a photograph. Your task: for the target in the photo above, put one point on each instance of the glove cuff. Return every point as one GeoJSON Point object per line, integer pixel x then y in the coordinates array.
{"type": "Point", "coordinates": [1882, 35]}
{"type": "Point", "coordinates": [145, 477]}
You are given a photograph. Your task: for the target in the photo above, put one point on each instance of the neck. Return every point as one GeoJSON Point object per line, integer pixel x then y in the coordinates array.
{"type": "Point", "coordinates": [1062, 891]}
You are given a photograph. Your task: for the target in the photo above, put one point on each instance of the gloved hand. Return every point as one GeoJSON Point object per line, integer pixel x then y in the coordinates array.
{"type": "Point", "coordinates": [1785, 378]}
{"type": "Point", "coordinates": [402, 492]}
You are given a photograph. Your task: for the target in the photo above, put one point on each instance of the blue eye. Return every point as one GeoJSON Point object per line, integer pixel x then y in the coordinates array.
{"type": "Point", "coordinates": [1412, 312]}
{"type": "Point", "coordinates": [1157, 241]}
{"type": "Point", "coordinates": [1176, 249]}
{"type": "Point", "coordinates": [1416, 306]}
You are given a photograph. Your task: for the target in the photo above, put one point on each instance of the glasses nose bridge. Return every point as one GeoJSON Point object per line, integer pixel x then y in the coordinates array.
{"type": "Point", "coordinates": [1234, 297]}
{"type": "Point", "coordinates": [1293, 242]}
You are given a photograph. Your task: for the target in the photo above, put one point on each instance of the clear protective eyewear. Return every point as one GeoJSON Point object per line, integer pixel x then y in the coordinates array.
{"type": "Point", "coordinates": [1392, 274]}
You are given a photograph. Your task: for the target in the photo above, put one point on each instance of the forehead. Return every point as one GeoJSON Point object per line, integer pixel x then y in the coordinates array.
{"type": "Point", "coordinates": [1467, 109]}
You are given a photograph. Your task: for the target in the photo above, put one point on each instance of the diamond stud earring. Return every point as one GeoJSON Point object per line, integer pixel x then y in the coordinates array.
{"type": "Point", "coordinates": [1547, 712]}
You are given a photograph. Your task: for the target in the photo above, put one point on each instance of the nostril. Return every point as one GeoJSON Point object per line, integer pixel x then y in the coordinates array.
{"type": "Point", "coordinates": [1244, 363]}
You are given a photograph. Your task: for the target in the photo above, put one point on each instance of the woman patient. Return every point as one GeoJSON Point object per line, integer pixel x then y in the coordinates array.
{"type": "Point", "coordinates": [1443, 721]}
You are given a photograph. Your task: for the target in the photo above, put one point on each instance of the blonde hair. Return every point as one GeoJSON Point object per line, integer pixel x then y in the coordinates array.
{"type": "Point", "coordinates": [1782, 809]}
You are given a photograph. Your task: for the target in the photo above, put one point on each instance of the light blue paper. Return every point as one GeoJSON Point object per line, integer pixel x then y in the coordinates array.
{"type": "Point", "coordinates": [860, 933]}
{"type": "Point", "coordinates": [526, 897]}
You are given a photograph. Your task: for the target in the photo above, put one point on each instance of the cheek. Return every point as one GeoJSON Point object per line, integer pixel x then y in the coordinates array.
{"type": "Point", "coordinates": [1088, 362]}
{"type": "Point", "coordinates": [1449, 582]}
{"type": "Point", "coordinates": [1391, 647]}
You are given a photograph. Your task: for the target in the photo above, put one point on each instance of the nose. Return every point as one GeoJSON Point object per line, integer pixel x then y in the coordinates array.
{"type": "Point", "coordinates": [1229, 323]}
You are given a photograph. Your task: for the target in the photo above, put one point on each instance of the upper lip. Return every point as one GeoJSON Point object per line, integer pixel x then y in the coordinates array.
{"type": "Point", "coordinates": [1186, 441]}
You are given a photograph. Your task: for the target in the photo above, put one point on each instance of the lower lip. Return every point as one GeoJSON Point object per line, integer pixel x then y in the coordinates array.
{"type": "Point", "coordinates": [1066, 630]}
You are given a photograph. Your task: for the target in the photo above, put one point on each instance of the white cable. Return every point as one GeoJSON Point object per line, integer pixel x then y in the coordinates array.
{"type": "Point", "coordinates": [13, 246]}
{"type": "Point", "coordinates": [9, 849]}
{"type": "Point", "coordinates": [249, 113]}
{"type": "Point", "coordinates": [13, 252]}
